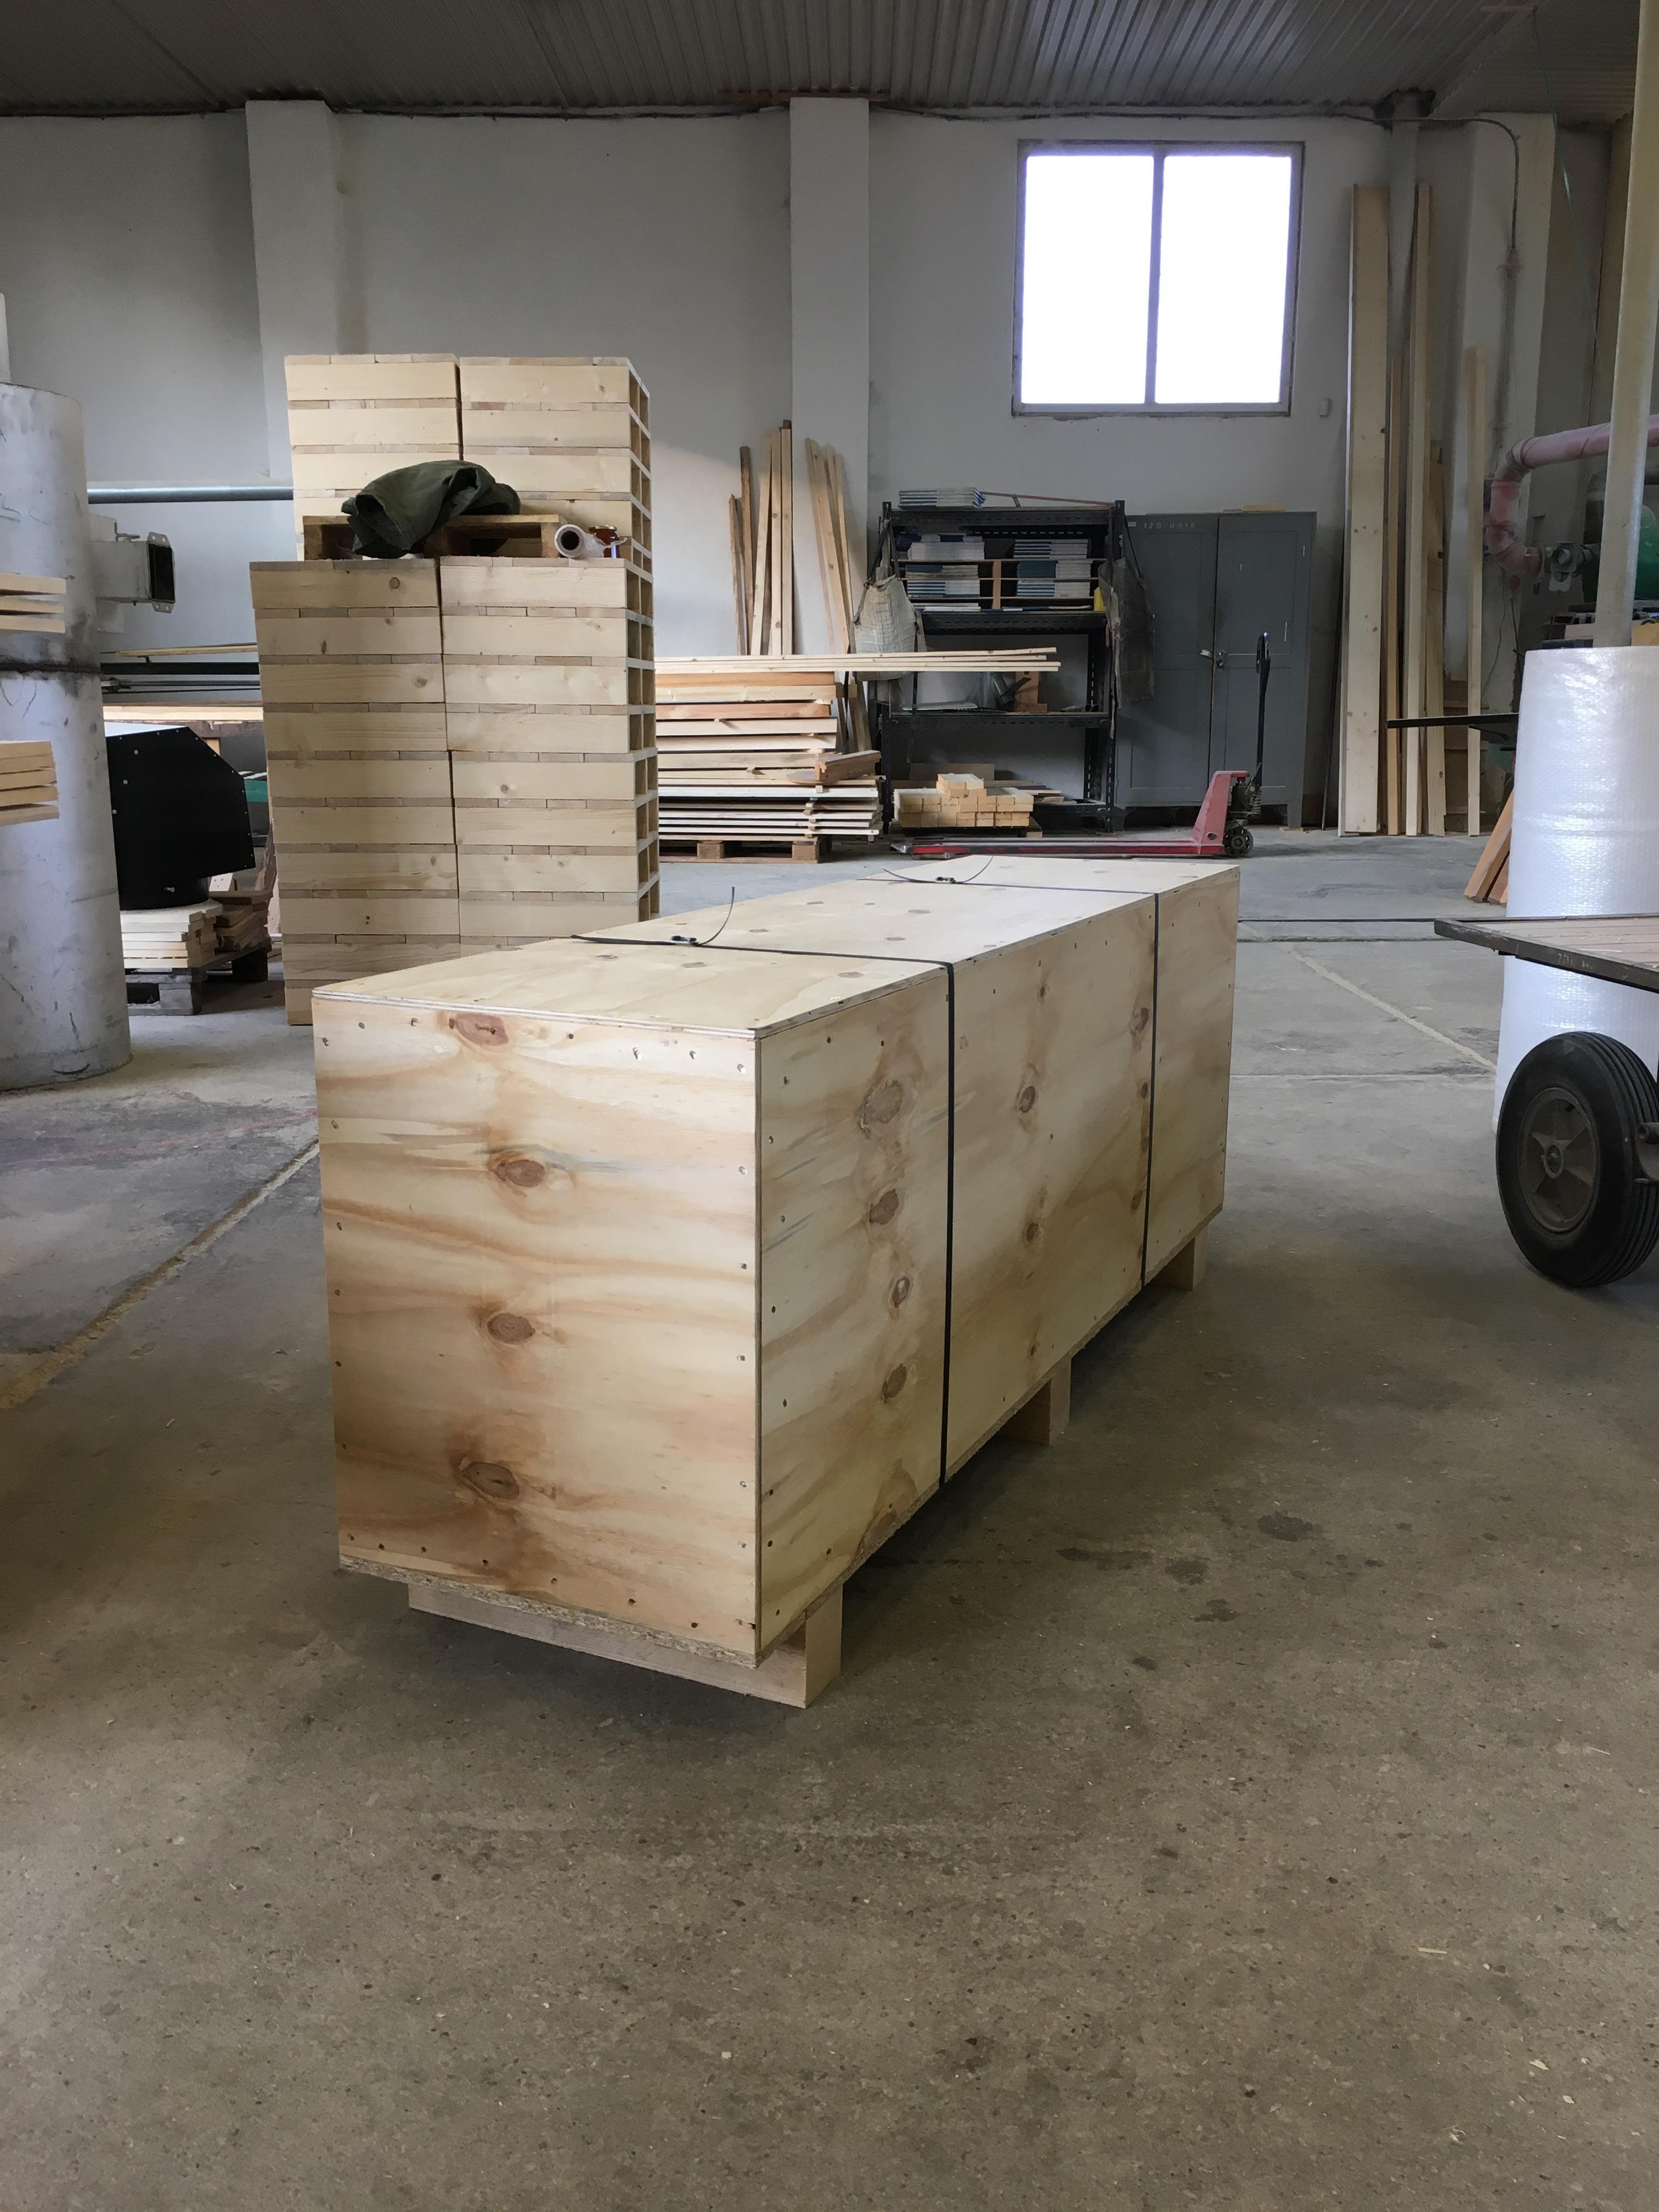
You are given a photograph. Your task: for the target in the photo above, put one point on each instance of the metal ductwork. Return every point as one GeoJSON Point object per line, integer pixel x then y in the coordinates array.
{"type": "Point", "coordinates": [1512, 557]}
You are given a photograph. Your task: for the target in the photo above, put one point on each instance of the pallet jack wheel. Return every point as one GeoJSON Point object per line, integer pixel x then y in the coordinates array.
{"type": "Point", "coordinates": [1236, 840]}
{"type": "Point", "coordinates": [1575, 1120]}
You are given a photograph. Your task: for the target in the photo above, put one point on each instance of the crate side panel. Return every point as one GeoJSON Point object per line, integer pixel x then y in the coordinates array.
{"type": "Point", "coordinates": [540, 1242]}
{"type": "Point", "coordinates": [1197, 953]}
{"type": "Point", "coordinates": [853, 1144]}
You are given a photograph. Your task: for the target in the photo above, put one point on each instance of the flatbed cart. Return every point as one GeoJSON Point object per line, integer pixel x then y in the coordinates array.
{"type": "Point", "coordinates": [1578, 1128]}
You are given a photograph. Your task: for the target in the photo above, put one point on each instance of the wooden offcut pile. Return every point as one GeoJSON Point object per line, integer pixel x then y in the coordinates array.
{"type": "Point", "coordinates": [32, 603]}
{"type": "Point", "coordinates": [168, 937]}
{"type": "Point", "coordinates": [963, 802]}
{"type": "Point", "coordinates": [28, 782]}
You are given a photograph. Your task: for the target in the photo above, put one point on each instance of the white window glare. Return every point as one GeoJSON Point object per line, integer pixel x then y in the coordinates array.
{"type": "Point", "coordinates": [1087, 269]}
{"type": "Point", "coordinates": [1223, 268]}
{"type": "Point", "coordinates": [1156, 276]}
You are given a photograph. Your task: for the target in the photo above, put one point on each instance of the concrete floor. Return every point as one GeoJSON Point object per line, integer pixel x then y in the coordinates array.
{"type": "Point", "coordinates": [1247, 1804]}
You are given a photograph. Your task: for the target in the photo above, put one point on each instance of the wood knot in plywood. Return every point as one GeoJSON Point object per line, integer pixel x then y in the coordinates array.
{"type": "Point", "coordinates": [490, 1478]}
{"type": "Point", "coordinates": [1033, 1231]}
{"type": "Point", "coordinates": [1027, 1098]}
{"type": "Point", "coordinates": [882, 1209]}
{"type": "Point", "coordinates": [881, 1105]}
{"type": "Point", "coordinates": [900, 1291]}
{"type": "Point", "coordinates": [1143, 1015]}
{"type": "Point", "coordinates": [894, 1382]}
{"type": "Point", "coordinates": [479, 1029]}
{"type": "Point", "coordinates": [523, 1173]}
{"type": "Point", "coordinates": [510, 1328]}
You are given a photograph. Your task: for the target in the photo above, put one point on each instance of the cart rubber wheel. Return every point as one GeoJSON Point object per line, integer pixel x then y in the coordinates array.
{"type": "Point", "coordinates": [1238, 840]}
{"type": "Point", "coordinates": [1567, 1170]}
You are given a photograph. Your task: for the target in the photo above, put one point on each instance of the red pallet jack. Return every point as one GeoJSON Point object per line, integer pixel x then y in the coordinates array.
{"type": "Point", "coordinates": [1222, 830]}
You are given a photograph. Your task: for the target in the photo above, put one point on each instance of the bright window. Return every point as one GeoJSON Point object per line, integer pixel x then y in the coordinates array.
{"type": "Point", "coordinates": [1155, 278]}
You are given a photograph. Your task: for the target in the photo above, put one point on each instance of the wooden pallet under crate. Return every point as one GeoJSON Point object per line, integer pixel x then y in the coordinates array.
{"type": "Point", "coordinates": [667, 1279]}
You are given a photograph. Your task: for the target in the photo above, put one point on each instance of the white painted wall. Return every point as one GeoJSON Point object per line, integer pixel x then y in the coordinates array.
{"type": "Point", "coordinates": [666, 240]}
{"type": "Point", "coordinates": [126, 261]}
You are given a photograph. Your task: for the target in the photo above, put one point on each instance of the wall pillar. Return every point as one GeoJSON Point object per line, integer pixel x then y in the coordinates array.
{"type": "Point", "coordinates": [830, 327]}
{"type": "Point", "coordinates": [299, 246]}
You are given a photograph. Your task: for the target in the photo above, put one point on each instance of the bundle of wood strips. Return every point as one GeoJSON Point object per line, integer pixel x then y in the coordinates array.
{"type": "Point", "coordinates": [963, 802]}
{"type": "Point", "coordinates": [28, 782]}
{"type": "Point", "coordinates": [762, 756]}
{"type": "Point", "coordinates": [165, 937]}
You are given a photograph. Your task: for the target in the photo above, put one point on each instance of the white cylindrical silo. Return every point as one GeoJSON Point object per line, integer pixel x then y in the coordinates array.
{"type": "Point", "coordinates": [62, 987]}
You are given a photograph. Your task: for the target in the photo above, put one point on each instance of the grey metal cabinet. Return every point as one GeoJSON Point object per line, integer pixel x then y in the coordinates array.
{"type": "Point", "coordinates": [1217, 581]}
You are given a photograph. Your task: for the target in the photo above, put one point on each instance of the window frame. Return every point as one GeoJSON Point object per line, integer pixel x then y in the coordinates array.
{"type": "Point", "coordinates": [1160, 149]}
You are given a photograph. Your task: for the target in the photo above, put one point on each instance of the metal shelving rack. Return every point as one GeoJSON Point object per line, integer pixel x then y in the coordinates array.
{"type": "Point", "coordinates": [1095, 721]}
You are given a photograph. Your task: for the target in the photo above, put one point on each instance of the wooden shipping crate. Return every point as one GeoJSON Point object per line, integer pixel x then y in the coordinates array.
{"type": "Point", "coordinates": [351, 417]}
{"type": "Point", "coordinates": [1052, 1006]}
{"type": "Point", "coordinates": [539, 1221]}
{"type": "Point", "coordinates": [636, 1272]}
{"type": "Point", "coordinates": [1197, 903]}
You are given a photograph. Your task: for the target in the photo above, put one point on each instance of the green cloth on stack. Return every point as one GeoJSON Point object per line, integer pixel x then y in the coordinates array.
{"type": "Point", "coordinates": [399, 511]}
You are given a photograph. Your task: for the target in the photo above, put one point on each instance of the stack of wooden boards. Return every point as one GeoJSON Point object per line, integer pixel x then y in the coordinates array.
{"type": "Point", "coordinates": [157, 938]}
{"type": "Point", "coordinates": [460, 749]}
{"type": "Point", "coordinates": [32, 603]}
{"type": "Point", "coordinates": [756, 753]}
{"type": "Point", "coordinates": [963, 802]}
{"type": "Point", "coordinates": [667, 1277]}
{"type": "Point", "coordinates": [1395, 572]}
{"type": "Point", "coordinates": [572, 437]}
{"type": "Point", "coordinates": [28, 782]}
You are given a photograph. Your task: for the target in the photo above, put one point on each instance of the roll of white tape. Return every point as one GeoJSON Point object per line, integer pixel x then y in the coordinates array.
{"type": "Point", "coordinates": [579, 544]}
{"type": "Point", "coordinates": [1585, 838]}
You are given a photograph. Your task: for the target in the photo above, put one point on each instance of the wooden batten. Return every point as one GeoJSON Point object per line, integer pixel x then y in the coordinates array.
{"type": "Point", "coordinates": [1362, 734]}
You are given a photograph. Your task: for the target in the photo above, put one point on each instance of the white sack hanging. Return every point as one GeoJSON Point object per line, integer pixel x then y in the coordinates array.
{"type": "Point", "coordinates": [1584, 838]}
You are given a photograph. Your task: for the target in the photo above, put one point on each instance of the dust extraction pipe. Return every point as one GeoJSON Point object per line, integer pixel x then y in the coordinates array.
{"type": "Point", "coordinates": [1514, 558]}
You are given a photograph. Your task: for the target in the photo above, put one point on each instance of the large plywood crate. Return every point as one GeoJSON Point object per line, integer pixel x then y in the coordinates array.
{"type": "Point", "coordinates": [351, 417]}
{"type": "Point", "coordinates": [636, 1267]}
{"type": "Point", "coordinates": [667, 1279]}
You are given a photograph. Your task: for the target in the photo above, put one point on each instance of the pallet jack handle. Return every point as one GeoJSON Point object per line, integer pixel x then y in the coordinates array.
{"type": "Point", "coordinates": [1264, 669]}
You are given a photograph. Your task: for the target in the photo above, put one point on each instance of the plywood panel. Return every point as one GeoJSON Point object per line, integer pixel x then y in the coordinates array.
{"type": "Point", "coordinates": [298, 733]}
{"type": "Point", "coordinates": [1054, 999]}
{"type": "Point", "coordinates": [617, 781]}
{"type": "Point", "coordinates": [398, 868]}
{"type": "Point", "coordinates": [540, 1245]}
{"type": "Point", "coordinates": [559, 730]}
{"type": "Point", "coordinates": [358, 827]}
{"type": "Point", "coordinates": [485, 871]}
{"type": "Point", "coordinates": [854, 1142]}
{"type": "Point", "coordinates": [583, 824]}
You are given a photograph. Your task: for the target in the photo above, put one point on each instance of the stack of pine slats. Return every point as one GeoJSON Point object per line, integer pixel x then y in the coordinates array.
{"type": "Point", "coordinates": [32, 603]}
{"type": "Point", "coordinates": [28, 782]}
{"type": "Point", "coordinates": [963, 802]}
{"type": "Point", "coordinates": [352, 417]}
{"type": "Point", "coordinates": [758, 756]}
{"type": "Point", "coordinates": [571, 436]}
{"type": "Point", "coordinates": [461, 749]}
{"type": "Point", "coordinates": [547, 675]}
{"type": "Point", "coordinates": [166, 937]}
{"type": "Point", "coordinates": [351, 671]}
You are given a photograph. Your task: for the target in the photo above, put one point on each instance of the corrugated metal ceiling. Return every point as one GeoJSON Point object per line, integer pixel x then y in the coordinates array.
{"type": "Point", "coordinates": [131, 56]}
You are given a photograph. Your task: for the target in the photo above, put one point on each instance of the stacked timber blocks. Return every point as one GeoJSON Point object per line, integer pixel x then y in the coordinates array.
{"type": "Point", "coordinates": [571, 437]}
{"type": "Point", "coordinates": [352, 417]}
{"type": "Point", "coordinates": [461, 749]}
{"type": "Point", "coordinates": [547, 672]}
{"type": "Point", "coordinates": [963, 802]}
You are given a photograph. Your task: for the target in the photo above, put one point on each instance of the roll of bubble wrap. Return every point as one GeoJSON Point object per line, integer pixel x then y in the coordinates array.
{"type": "Point", "coordinates": [1584, 838]}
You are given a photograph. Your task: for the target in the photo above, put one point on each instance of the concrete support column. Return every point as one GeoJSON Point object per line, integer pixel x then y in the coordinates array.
{"type": "Point", "coordinates": [299, 246]}
{"type": "Point", "coordinates": [830, 326]}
